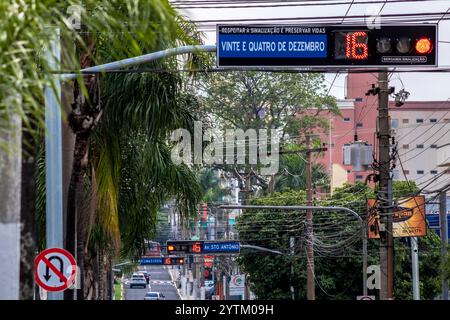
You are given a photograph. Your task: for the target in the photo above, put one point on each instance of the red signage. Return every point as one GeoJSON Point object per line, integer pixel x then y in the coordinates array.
{"type": "Point", "coordinates": [55, 269]}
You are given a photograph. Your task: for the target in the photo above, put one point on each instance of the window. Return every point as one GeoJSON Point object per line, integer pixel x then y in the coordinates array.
{"type": "Point", "coordinates": [346, 119]}
{"type": "Point", "coordinates": [433, 120]}
{"type": "Point", "coordinates": [348, 171]}
{"type": "Point", "coordinates": [358, 99]}
{"type": "Point", "coordinates": [433, 146]}
{"type": "Point", "coordinates": [394, 123]}
{"type": "Point", "coordinates": [419, 120]}
{"type": "Point", "coordinates": [420, 171]}
{"type": "Point", "coordinates": [405, 121]}
{"type": "Point", "coordinates": [406, 146]}
{"type": "Point", "coordinates": [419, 146]}
{"type": "Point", "coordinates": [358, 177]}
{"type": "Point", "coordinates": [406, 172]}
{"type": "Point", "coordinates": [332, 145]}
{"type": "Point", "coordinates": [359, 125]}
{"type": "Point", "coordinates": [433, 171]}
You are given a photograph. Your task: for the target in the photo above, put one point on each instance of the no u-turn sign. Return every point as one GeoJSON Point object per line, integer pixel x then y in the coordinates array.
{"type": "Point", "coordinates": [55, 269]}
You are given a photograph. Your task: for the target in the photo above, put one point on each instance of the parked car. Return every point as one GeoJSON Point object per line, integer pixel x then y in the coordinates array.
{"type": "Point", "coordinates": [154, 296]}
{"type": "Point", "coordinates": [138, 280]}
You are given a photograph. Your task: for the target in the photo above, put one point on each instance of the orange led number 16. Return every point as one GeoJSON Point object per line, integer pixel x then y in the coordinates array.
{"type": "Point", "coordinates": [196, 247]}
{"type": "Point", "coordinates": [353, 44]}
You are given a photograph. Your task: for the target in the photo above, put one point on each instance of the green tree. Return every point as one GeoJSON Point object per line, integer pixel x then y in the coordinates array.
{"type": "Point", "coordinates": [289, 103]}
{"type": "Point", "coordinates": [23, 75]}
{"type": "Point", "coordinates": [263, 100]}
{"type": "Point", "coordinates": [211, 184]}
{"type": "Point", "coordinates": [122, 171]}
{"type": "Point", "coordinates": [337, 244]}
{"type": "Point", "coordinates": [292, 172]}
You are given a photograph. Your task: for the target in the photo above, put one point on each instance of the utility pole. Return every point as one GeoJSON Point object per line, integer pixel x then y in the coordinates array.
{"type": "Point", "coordinates": [444, 239]}
{"type": "Point", "coordinates": [415, 267]}
{"type": "Point", "coordinates": [310, 285]}
{"type": "Point", "coordinates": [385, 190]}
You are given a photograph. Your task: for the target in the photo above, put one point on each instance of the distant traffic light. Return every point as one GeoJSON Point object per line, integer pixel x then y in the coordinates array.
{"type": "Point", "coordinates": [161, 261]}
{"type": "Point", "coordinates": [185, 246]}
{"type": "Point", "coordinates": [172, 261]}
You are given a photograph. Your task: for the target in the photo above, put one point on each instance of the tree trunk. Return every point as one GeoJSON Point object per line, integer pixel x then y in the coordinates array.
{"type": "Point", "coordinates": [89, 278]}
{"type": "Point", "coordinates": [28, 217]}
{"type": "Point", "coordinates": [10, 179]}
{"type": "Point", "coordinates": [75, 189]}
{"type": "Point", "coordinates": [83, 119]}
{"type": "Point", "coordinates": [101, 275]}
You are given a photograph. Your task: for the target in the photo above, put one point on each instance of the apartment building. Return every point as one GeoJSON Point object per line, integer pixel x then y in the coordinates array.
{"type": "Point", "coordinates": [421, 129]}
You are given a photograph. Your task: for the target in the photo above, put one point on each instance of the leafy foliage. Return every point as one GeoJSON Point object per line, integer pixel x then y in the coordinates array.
{"type": "Point", "coordinates": [292, 172]}
{"type": "Point", "coordinates": [338, 272]}
{"type": "Point", "coordinates": [212, 189]}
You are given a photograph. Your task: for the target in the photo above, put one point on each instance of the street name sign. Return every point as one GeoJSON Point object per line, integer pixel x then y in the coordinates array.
{"type": "Point", "coordinates": [221, 247]}
{"type": "Point", "coordinates": [326, 46]}
{"type": "Point", "coordinates": [55, 269]}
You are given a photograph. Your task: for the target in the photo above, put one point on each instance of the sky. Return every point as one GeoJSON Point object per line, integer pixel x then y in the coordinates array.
{"type": "Point", "coordinates": [422, 86]}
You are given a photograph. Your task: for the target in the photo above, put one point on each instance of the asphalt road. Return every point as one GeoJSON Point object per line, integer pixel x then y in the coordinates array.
{"type": "Point", "coordinates": [160, 282]}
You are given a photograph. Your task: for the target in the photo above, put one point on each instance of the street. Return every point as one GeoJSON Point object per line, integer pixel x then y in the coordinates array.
{"type": "Point", "coordinates": [160, 282]}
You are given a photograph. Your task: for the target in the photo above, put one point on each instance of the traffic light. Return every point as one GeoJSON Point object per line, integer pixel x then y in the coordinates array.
{"type": "Point", "coordinates": [172, 261]}
{"type": "Point", "coordinates": [327, 46]}
{"type": "Point", "coordinates": [188, 246]}
{"type": "Point", "coordinates": [202, 247]}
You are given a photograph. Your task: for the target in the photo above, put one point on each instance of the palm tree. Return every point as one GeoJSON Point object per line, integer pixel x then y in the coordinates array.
{"type": "Point", "coordinates": [131, 105]}
{"type": "Point", "coordinates": [22, 78]}
{"type": "Point", "coordinates": [112, 30]}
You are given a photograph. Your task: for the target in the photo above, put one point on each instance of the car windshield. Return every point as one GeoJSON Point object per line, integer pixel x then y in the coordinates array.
{"type": "Point", "coordinates": [152, 294]}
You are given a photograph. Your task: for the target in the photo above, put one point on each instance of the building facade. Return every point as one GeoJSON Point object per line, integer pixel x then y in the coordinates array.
{"type": "Point", "coordinates": [421, 129]}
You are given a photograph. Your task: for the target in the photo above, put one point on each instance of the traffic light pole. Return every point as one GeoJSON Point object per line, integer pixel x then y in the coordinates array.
{"type": "Point", "coordinates": [385, 191]}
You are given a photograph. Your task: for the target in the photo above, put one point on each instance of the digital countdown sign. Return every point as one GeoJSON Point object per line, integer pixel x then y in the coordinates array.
{"type": "Point", "coordinates": [326, 46]}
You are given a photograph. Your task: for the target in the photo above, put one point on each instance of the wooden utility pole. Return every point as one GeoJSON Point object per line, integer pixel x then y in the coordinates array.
{"type": "Point", "coordinates": [310, 285]}
{"type": "Point", "coordinates": [385, 191]}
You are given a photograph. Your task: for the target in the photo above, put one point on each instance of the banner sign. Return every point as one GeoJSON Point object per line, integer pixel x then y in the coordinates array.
{"type": "Point", "coordinates": [408, 218]}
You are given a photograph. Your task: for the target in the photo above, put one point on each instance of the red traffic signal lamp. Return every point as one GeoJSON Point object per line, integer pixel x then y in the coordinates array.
{"type": "Point", "coordinates": [424, 45]}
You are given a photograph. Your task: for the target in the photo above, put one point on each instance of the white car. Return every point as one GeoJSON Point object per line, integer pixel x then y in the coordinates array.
{"type": "Point", "coordinates": [138, 280]}
{"type": "Point", "coordinates": [154, 296]}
